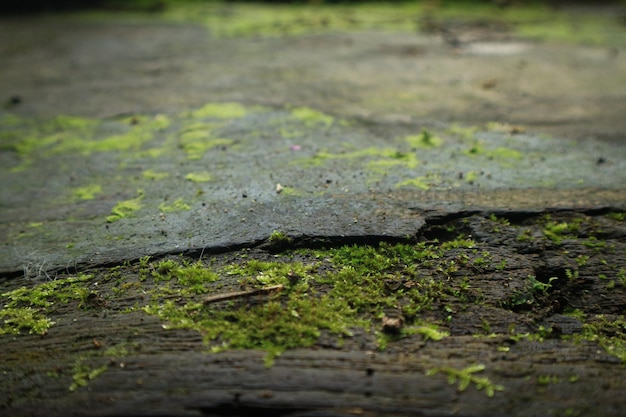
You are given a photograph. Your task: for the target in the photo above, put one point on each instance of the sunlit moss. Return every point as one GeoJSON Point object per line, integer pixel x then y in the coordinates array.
{"type": "Point", "coordinates": [423, 183]}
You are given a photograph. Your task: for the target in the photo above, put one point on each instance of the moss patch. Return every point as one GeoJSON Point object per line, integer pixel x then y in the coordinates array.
{"type": "Point", "coordinates": [88, 192]}
{"type": "Point", "coordinates": [177, 205]}
{"type": "Point", "coordinates": [332, 291]}
{"type": "Point", "coordinates": [83, 373]}
{"type": "Point", "coordinates": [126, 208]}
{"type": "Point", "coordinates": [312, 118]}
{"type": "Point", "coordinates": [27, 308]}
{"type": "Point", "coordinates": [426, 139]}
{"type": "Point", "coordinates": [199, 177]}
{"type": "Point", "coordinates": [153, 175]}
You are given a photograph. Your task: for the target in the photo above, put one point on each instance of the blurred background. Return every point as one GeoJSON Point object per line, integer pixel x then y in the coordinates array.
{"type": "Point", "coordinates": [39, 6]}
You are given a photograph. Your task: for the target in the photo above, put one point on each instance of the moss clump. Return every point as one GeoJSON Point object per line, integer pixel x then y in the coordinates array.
{"type": "Point", "coordinates": [198, 176]}
{"type": "Point", "coordinates": [24, 318]}
{"type": "Point", "coordinates": [82, 374]}
{"type": "Point", "coordinates": [620, 217]}
{"type": "Point", "coordinates": [88, 192]}
{"type": "Point", "coordinates": [185, 279]}
{"type": "Point", "coordinates": [556, 232]}
{"type": "Point", "coordinates": [196, 140]}
{"type": "Point", "coordinates": [426, 139]}
{"type": "Point", "coordinates": [378, 158]}
{"type": "Point", "coordinates": [607, 332]}
{"type": "Point", "coordinates": [125, 208]}
{"type": "Point", "coordinates": [27, 308]}
{"type": "Point", "coordinates": [467, 376]}
{"type": "Point", "coordinates": [153, 175]}
{"type": "Point", "coordinates": [279, 238]}
{"type": "Point", "coordinates": [424, 182]}
{"type": "Point", "coordinates": [70, 135]}
{"type": "Point", "coordinates": [285, 303]}
{"type": "Point", "coordinates": [142, 131]}
{"type": "Point", "coordinates": [500, 154]}
{"type": "Point", "coordinates": [177, 205]}
{"type": "Point", "coordinates": [312, 118]}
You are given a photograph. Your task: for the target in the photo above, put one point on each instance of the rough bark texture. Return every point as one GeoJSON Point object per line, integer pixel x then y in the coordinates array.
{"type": "Point", "coordinates": [169, 372]}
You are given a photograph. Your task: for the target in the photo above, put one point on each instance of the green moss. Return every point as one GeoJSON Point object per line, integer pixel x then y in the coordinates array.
{"type": "Point", "coordinates": [547, 379]}
{"type": "Point", "coordinates": [185, 278]}
{"type": "Point", "coordinates": [500, 154]}
{"type": "Point", "coordinates": [610, 334]}
{"type": "Point", "coordinates": [197, 140]}
{"type": "Point", "coordinates": [394, 158]}
{"type": "Point", "coordinates": [252, 20]}
{"type": "Point", "coordinates": [312, 118]}
{"type": "Point", "coordinates": [125, 208]}
{"type": "Point", "coordinates": [82, 374]}
{"type": "Point", "coordinates": [52, 138]}
{"type": "Point", "coordinates": [26, 308]}
{"type": "Point", "coordinates": [198, 177]}
{"type": "Point", "coordinates": [71, 135]}
{"type": "Point", "coordinates": [153, 175]}
{"type": "Point", "coordinates": [220, 111]}
{"type": "Point", "coordinates": [424, 140]}
{"type": "Point", "coordinates": [24, 318]}
{"type": "Point", "coordinates": [471, 176]}
{"type": "Point", "coordinates": [620, 217]}
{"type": "Point", "coordinates": [556, 232]}
{"type": "Point", "coordinates": [391, 155]}
{"type": "Point", "coordinates": [334, 291]}
{"type": "Point", "coordinates": [177, 205]}
{"type": "Point", "coordinates": [142, 131]}
{"type": "Point", "coordinates": [88, 192]}
{"type": "Point", "coordinates": [279, 238]}
{"type": "Point", "coordinates": [423, 183]}
{"type": "Point", "coordinates": [467, 376]}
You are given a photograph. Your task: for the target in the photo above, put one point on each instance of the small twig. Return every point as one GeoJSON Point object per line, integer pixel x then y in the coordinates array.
{"type": "Point", "coordinates": [237, 294]}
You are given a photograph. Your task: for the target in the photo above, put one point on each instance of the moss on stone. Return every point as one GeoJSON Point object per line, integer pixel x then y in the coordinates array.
{"type": "Point", "coordinates": [423, 183]}
{"type": "Point", "coordinates": [88, 192]}
{"type": "Point", "coordinates": [126, 208]}
{"type": "Point", "coordinates": [426, 139]}
{"type": "Point", "coordinates": [220, 111]}
{"type": "Point", "coordinates": [153, 175]}
{"type": "Point", "coordinates": [199, 176]}
{"type": "Point", "coordinates": [177, 205]}
{"type": "Point", "coordinates": [312, 118]}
